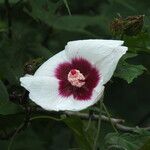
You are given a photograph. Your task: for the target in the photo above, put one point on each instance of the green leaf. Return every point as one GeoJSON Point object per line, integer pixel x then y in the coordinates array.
{"type": "Point", "coordinates": [23, 140]}
{"type": "Point", "coordinates": [126, 141]}
{"type": "Point", "coordinates": [139, 43]}
{"type": "Point", "coordinates": [27, 140]}
{"type": "Point", "coordinates": [10, 121]}
{"type": "Point", "coordinates": [10, 1]}
{"type": "Point", "coordinates": [72, 23]}
{"type": "Point", "coordinates": [3, 93]}
{"type": "Point", "coordinates": [75, 23]}
{"type": "Point", "coordinates": [42, 9]}
{"type": "Point", "coordinates": [26, 44]}
{"type": "Point", "coordinates": [9, 108]}
{"type": "Point", "coordinates": [3, 26]}
{"type": "Point", "coordinates": [6, 107]}
{"type": "Point", "coordinates": [128, 71]}
{"type": "Point", "coordinates": [82, 137]}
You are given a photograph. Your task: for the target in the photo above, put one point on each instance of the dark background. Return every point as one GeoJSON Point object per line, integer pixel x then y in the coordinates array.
{"type": "Point", "coordinates": [36, 30]}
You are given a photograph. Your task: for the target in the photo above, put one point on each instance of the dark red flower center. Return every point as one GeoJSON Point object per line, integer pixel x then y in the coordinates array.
{"type": "Point", "coordinates": [78, 78]}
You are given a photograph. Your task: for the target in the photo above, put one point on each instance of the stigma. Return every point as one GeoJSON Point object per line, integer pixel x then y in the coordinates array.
{"type": "Point", "coordinates": [76, 78]}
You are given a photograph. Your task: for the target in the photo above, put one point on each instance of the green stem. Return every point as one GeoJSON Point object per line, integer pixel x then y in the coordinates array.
{"type": "Point", "coordinates": [89, 123]}
{"type": "Point", "coordinates": [14, 135]}
{"type": "Point", "coordinates": [67, 6]}
{"type": "Point", "coordinates": [31, 119]}
{"type": "Point", "coordinates": [46, 117]}
{"type": "Point", "coordinates": [108, 114]}
{"type": "Point", "coordinates": [98, 125]}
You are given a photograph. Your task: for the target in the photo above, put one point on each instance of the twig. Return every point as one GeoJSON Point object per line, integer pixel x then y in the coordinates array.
{"type": "Point", "coordinates": [129, 129]}
{"type": "Point", "coordinates": [118, 123]}
{"type": "Point", "coordinates": [94, 117]}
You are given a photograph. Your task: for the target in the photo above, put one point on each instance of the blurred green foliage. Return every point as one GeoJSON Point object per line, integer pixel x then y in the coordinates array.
{"type": "Point", "coordinates": [36, 30]}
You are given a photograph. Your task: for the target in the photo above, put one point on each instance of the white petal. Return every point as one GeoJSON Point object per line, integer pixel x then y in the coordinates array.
{"type": "Point", "coordinates": [47, 69]}
{"type": "Point", "coordinates": [92, 50]}
{"type": "Point", "coordinates": [76, 105]}
{"type": "Point", "coordinates": [44, 92]}
{"type": "Point", "coordinates": [108, 65]}
{"type": "Point", "coordinates": [26, 81]}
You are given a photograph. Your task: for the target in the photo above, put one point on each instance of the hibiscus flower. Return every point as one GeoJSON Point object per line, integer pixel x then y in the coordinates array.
{"type": "Point", "coordinates": [74, 78]}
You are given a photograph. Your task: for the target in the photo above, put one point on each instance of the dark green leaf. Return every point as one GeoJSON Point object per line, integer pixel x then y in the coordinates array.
{"type": "Point", "coordinates": [126, 141]}
{"type": "Point", "coordinates": [68, 23]}
{"type": "Point", "coordinates": [139, 43]}
{"type": "Point", "coordinates": [3, 94]}
{"type": "Point", "coordinates": [146, 146]}
{"type": "Point", "coordinates": [10, 1]}
{"type": "Point", "coordinates": [128, 71]}
{"type": "Point", "coordinates": [9, 108]}
{"type": "Point", "coordinates": [82, 137]}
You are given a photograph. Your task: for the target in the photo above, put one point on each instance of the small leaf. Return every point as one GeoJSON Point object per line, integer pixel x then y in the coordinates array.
{"type": "Point", "coordinates": [128, 71]}
{"type": "Point", "coordinates": [139, 43]}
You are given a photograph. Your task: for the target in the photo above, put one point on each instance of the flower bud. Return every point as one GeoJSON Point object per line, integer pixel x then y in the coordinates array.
{"type": "Point", "coordinates": [133, 25]}
{"type": "Point", "coordinates": [117, 26]}
{"type": "Point", "coordinates": [130, 26]}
